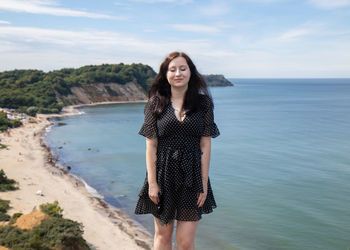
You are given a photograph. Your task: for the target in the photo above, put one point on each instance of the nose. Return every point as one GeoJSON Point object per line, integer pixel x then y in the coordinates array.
{"type": "Point", "coordinates": [178, 72]}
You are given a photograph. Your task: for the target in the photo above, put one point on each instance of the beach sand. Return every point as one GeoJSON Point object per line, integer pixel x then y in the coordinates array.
{"type": "Point", "coordinates": [31, 164]}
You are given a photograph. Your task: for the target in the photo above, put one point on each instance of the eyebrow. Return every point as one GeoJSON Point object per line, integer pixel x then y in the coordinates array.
{"type": "Point", "coordinates": [183, 65]}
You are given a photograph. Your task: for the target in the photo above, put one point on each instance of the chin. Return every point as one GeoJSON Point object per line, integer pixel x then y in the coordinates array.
{"type": "Point", "coordinates": [179, 84]}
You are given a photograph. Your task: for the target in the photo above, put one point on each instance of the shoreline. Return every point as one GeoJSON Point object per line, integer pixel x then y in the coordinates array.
{"type": "Point", "coordinates": [105, 226]}
{"type": "Point", "coordinates": [71, 109]}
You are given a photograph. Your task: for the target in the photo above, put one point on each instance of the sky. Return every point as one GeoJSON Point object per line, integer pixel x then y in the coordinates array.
{"type": "Point", "coordinates": [236, 38]}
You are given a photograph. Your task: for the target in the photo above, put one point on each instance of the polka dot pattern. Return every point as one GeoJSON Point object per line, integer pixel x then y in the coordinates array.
{"type": "Point", "coordinates": [178, 164]}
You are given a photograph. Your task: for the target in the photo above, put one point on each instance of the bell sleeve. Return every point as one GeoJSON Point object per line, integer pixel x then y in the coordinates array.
{"type": "Point", "coordinates": [149, 127]}
{"type": "Point", "coordinates": [210, 128]}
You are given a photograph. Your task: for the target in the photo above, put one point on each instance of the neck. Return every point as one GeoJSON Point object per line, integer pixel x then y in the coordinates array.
{"type": "Point", "coordinates": [178, 94]}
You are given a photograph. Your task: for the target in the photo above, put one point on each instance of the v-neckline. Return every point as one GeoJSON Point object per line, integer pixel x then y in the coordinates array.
{"type": "Point", "coordinates": [173, 112]}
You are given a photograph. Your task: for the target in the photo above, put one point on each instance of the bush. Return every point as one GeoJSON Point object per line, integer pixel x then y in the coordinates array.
{"type": "Point", "coordinates": [52, 209]}
{"type": "Point", "coordinates": [54, 110]}
{"type": "Point", "coordinates": [48, 110]}
{"type": "Point", "coordinates": [13, 237]}
{"type": "Point", "coordinates": [5, 183]}
{"type": "Point", "coordinates": [7, 187]}
{"type": "Point", "coordinates": [14, 218]}
{"type": "Point", "coordinates": [4, 206]}
{"type": "Point", "coordinates": [4, 217]}
{"type": "Point", "coordinates": [58, 231]}
{"type": "Point", "coordinates": [15, 123]}
{"type": "Point", "coordinates": [32, 110]}
{"type": "Point", "coordinates": [4, 122]}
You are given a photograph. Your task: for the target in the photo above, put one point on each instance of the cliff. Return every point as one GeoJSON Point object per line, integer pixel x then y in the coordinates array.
{"type": "Point", "coordinates": [103, 92]}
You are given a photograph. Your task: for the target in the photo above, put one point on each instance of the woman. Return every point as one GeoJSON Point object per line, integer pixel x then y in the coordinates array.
{"type": "Point", "coordinates": [178, 126]}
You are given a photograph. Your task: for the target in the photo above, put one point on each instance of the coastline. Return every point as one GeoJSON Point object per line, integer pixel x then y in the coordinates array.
{"type": "Point", "coordinates": [70, 110]}
{"type": "Point", "coordinates": [30, 162]}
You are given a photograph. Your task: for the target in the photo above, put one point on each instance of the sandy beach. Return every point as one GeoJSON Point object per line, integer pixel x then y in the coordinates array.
{"type": "Point", "coordinates": [30, 163]}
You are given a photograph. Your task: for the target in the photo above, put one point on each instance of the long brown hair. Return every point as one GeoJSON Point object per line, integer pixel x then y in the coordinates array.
{"type": "Point", "coordinates": [162, 89]}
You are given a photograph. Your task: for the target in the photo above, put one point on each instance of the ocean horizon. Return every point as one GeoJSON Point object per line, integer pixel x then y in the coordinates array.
{"type": "Point", "coordinates": [279, 170]}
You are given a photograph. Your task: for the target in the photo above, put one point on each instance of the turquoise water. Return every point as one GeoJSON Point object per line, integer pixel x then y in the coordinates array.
{"type": "Point", "coordinates": [280, 169]}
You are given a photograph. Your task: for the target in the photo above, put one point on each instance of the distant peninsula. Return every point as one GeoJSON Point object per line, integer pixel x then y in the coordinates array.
{"type": "Point", "coordinates": [35, 91]}
{"type": "Point", "coordinates": [217, 81]}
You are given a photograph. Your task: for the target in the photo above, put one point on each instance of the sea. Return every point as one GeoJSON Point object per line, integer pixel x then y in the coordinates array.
{"type": "Point", "coordinates": [280, 170]}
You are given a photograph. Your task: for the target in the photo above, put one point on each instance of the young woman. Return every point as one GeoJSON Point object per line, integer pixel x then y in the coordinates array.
{"type": "Point", "coordinates": [178, 126]}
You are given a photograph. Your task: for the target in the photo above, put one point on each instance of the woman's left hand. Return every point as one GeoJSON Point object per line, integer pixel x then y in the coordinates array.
{"type": "Point", "coordinates": [202, 197]}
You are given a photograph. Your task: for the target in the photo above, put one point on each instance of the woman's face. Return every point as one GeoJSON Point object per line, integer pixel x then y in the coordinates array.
{"type": "Point", "coordinates": [178, 73]}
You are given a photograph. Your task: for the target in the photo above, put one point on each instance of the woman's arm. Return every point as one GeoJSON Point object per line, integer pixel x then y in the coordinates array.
{"type": "Point", "coordinates": [205, 145]}
{"type": "Point", "coordinates": [151, 158]}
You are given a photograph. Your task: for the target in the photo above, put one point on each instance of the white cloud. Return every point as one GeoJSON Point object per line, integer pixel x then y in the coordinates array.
{"type": "Point", "coordinates": [64, 48]}
{"type": "Point", "coordinates": [330, 4]}
{"type": "Point", "coordinates": [215, 9]}
{"type": "Point", "coordinates": [7, 46]}
{"type": "Point", "coordinates": [49, 8]}
{"type": "Point", "coordinates": [4, 22]}
{"type": "Point", "coordinates": [48, 49]}
{"type": "Point", "coordinates": [293, 34]}
{"type": "Point", "coordinates": [197, 28]}
{"type": "Point", "coordinates": [64, 37]}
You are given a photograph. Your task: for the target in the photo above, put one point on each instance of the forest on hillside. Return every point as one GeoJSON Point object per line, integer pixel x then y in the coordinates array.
{"type": "Point", "coordinates": [32, 91]}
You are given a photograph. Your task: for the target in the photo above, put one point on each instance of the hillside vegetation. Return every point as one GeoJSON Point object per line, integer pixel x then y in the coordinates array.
{"type": "Point", "coordinates": [35, 90]}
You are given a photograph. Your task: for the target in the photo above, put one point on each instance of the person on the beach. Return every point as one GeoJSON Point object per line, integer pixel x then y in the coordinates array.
{"type": "Point", "coordinates": [178, 126]}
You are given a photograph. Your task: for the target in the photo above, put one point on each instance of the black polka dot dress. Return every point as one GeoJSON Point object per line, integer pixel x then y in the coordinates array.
{"type": "Point", "coordinates": [178, 164]}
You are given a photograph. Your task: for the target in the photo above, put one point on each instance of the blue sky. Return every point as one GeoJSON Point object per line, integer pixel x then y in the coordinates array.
{"type": "Point", "coordinates": [237, 38]}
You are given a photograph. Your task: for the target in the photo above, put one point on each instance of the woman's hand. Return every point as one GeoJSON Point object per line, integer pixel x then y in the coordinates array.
{"type": "Point", "coordinates": [202, 197]}
{"type": "Point", "coordinates": [153, 191]}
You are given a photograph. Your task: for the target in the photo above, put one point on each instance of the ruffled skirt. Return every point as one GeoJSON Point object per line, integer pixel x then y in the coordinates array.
{"type": "Point", "coordinates": [180, 180]}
